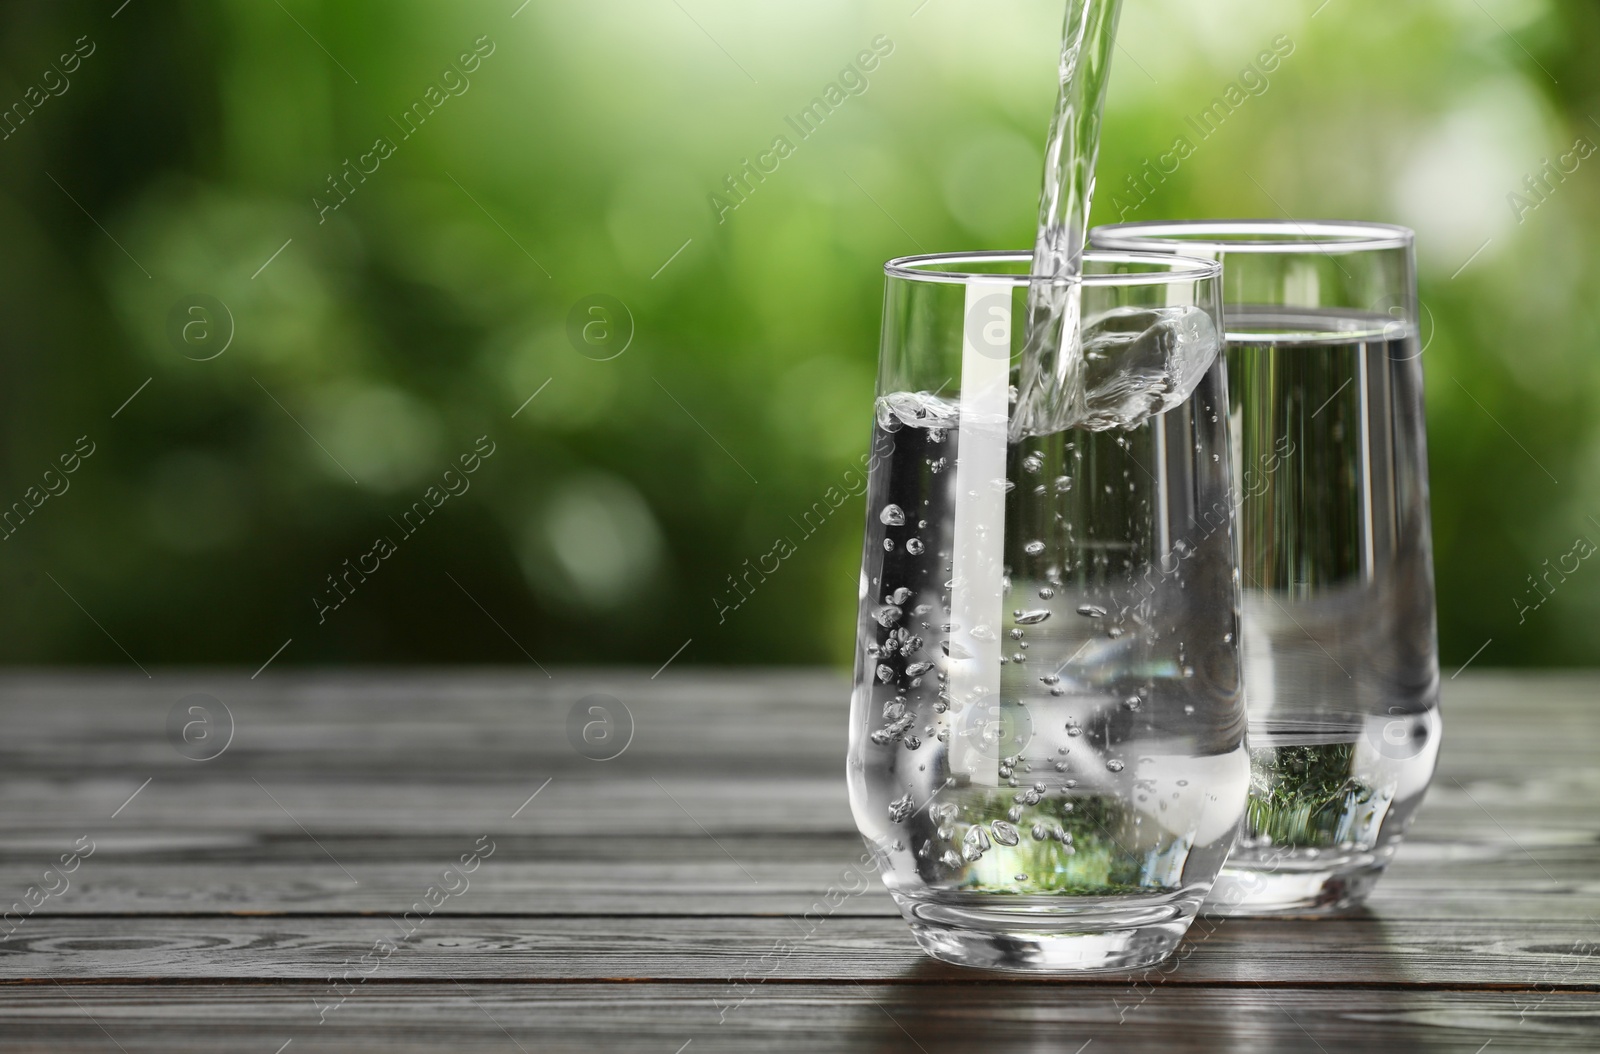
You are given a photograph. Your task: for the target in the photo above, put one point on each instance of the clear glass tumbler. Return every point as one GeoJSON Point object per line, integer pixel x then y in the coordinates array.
{"type": "Point", "coordinates": [1330, 458]}
{"type": "Point", "coordinates": [1047, 730]}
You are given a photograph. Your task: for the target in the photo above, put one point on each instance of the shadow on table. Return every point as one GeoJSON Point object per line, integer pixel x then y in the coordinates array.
{"type": "Point", "coordinates": [1234, 984]}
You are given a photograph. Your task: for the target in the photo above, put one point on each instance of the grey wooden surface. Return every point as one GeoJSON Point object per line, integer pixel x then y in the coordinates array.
{"type": "Point", "coordinates": [650, 902]}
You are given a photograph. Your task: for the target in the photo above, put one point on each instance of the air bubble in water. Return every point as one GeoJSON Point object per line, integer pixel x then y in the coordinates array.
{"type": "Point", "coordinates": [1004, 833]}
{"type": "Point", "coordinates": [1091, 611]}
{"type": "Point", "coordinates": [889, 616]}
{"type": "Point", "coordinates": [914, 546]}
{"type": "Point", "coordinates": [1033, 462]}
{"type": "Point", "coordinates": [1033, 548]}
{"type": "Point", "coordinates": [1046, 593]}
{"type": "Point", "coordinates": [900, 809]}
{"type": "Point", "coordinates": [1032, 618]}
{"type": "Point", "coordinates": [1114, 765]}
{"type": "Point", "coordinates": [888, 545]}
{"type": "Point", "coordinates": [900, 596]}
{"type": "Point", "coordinates": [1063, 484]}
{"type": "Point", "coordinates": [893, 516]}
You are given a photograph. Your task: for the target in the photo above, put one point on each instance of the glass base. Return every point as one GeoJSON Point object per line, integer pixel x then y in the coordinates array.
{"type": "Point", "coordinates": [1293, 885]}
{"type": "Point", "coordinates": [1033, 935]}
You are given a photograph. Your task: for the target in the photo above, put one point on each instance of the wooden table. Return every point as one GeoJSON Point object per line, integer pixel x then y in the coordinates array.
{"type": "Point", "coordinates": [258, 901]}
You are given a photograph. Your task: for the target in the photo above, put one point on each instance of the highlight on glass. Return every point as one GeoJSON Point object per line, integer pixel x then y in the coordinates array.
{"type": "Point", "coordinates": [1047, 731]}
{"type": "Point", "coordinates": [1330, 456]}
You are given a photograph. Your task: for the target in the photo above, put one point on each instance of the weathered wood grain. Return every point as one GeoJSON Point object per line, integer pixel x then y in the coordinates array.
{"type": "Point", "coordinates": [1364, 950]}
{"type": "Point", "coordinates": [631, 898]}
{"type": "Point", "coordinates": [1540, 876]}
{"type": "Point", "coordinates": [899, 1018]}
{"type": "Point", "coordinates": [490, 726]}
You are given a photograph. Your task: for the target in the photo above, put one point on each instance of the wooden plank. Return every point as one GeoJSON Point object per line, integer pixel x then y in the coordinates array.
{"type": "Point", "coordinates": [1553, 805]}
{"type": "Point", "coordinates": [342, 798]}
{"type": "Point", "coordinates": [460, 715]}
{"type": "Point", "coordinates": [672, 875]}
{"type": "Point", "coordinates": [1360, 950]}
{"type": "Point", "coordinates": [1547, 820]}
{"type": "Point", "coordinates": [389, 777]}
{"type": "Point", "coordinates": [905, 1017]}
{"type": "Point", "coordinates": [492, 726]}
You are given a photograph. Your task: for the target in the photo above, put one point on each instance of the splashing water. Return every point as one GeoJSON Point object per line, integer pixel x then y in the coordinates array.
{"type": "Point", "coordinates": [1050, 387]}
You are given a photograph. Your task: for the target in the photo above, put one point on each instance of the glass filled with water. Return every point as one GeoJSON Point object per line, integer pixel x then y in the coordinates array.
{"type": "Point", "coordinates": [1330, 462]}
{"type": "Point", "coordinates": [1047, 729]}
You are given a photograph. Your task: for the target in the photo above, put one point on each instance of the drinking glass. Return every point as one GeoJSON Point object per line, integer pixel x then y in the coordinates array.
{"type": "Point", "coordinates": [1330, 455]}
{"type": "Point", "coordinates": [1046, 730]}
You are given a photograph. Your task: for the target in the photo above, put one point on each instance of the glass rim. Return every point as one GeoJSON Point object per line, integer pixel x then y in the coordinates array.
{"type": "Point", "coordinates": [1167, 268]}
{"type": "Point", "coordinates": [1255, 236]}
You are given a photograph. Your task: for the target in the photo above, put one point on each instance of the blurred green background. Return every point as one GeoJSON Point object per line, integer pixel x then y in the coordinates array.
{"type": "Point", "coordinates": [192, 142]}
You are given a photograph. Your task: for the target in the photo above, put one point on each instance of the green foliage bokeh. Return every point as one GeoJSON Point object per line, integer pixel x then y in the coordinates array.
{"type": "Point", "coordinates": [580, 156]}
